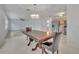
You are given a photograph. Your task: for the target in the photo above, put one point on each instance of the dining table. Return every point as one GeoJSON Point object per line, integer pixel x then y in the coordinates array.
{"type": "Point", "coordinates": [39, 37]}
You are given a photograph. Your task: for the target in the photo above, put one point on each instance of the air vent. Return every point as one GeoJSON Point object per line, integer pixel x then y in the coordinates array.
{"type": "Point", "coordinates": [28, 9]}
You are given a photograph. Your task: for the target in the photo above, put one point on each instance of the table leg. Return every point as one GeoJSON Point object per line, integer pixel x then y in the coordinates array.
{"type": "Point", "coordinates": [41, 47]}
{"type": "Point", "coordinates": [37, 45]}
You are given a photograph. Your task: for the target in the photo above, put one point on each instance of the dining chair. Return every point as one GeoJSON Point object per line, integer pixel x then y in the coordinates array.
{"type": "Point", "coordinates": [30, 39]}
{"type": "Point", "coordinates": [28, 29]}
{"type": "Point", "coordinates": [52, 46]}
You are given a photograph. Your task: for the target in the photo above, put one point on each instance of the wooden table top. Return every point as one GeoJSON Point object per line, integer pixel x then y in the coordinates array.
{"type": "Point", "coordinates": [38, 35]}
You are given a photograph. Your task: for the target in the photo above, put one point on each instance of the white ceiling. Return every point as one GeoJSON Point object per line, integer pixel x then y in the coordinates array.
{"type": "Point", "coordinates": [44, 10]}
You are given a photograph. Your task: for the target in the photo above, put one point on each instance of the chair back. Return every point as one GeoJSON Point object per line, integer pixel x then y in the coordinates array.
{"type": "Point", "coordinates": [28, 29]}
{"type": "Point", "coordinates": [56, 41]}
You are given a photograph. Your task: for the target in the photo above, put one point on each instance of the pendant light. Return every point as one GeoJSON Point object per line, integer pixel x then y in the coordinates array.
{"type": "Point", "coordinates": [35, 15]}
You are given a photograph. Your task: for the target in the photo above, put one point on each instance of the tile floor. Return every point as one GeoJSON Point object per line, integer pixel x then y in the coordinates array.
{"type": "Point", "coordinates": [18, 45]}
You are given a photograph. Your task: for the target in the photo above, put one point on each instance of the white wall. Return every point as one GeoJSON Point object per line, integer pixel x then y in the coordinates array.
{"type": "Point", "coordinates": [2, 26]}
{"type": "Point", "coordinates": [17, 24]}
{"type": "Point", "coordinates": [15, 12]}
{"type": "Point", "coordinates": [36, 24]}
{"type": "Point", "coordinates": [73, 25]}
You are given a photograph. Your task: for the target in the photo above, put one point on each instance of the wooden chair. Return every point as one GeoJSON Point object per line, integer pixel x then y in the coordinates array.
{"type": "Point", "coordinates": [28, 29]}
{"type": "Point", "coordinates": [30, 39]}
{"type": "Point", "coordinates": [52, 46]}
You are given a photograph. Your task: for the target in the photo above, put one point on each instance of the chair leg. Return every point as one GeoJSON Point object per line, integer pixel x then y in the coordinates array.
{"type": "Point", "coordinates": [29, 43]}
{"type": "Point", "coordinates": [44, 51]}
{"type": "Point", "coordinates": [27, 37]}
{"type": "Point", "coordinates": [30, 40]}
{"type": "Point", "coordinates": [57, 51]}
{"type": "Point", "coordinates": [52, 52]}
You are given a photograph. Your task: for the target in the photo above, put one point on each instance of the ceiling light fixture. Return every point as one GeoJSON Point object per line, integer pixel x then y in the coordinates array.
{"type": "Point", "coordinates": [61, 14]}
{"type": "Point", "coordinates": [35, 15]}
